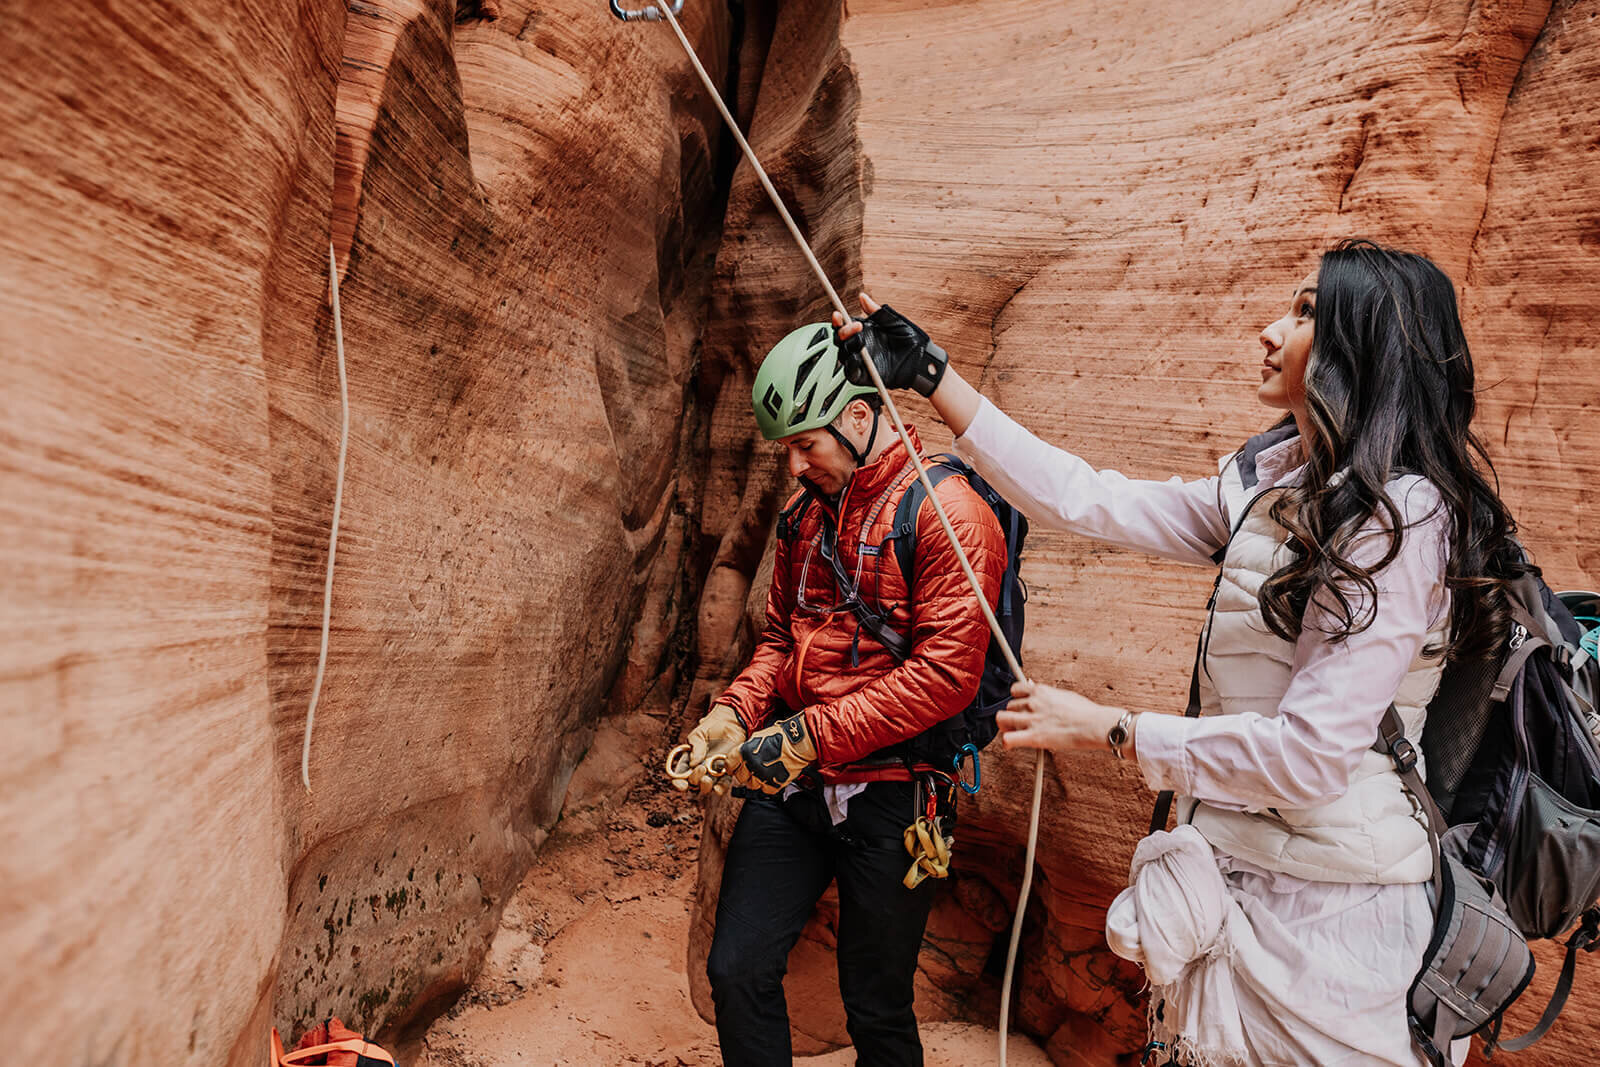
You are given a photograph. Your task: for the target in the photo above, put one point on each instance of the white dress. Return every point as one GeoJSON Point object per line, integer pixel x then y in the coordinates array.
{"type": "Point", "coordinates": [1254, 966]}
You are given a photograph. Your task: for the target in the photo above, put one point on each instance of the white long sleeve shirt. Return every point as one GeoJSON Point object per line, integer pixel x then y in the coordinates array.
{"type": "Point", "coordinates": [1329, 716]}
{"type": "Point", "coordinates": [1318, 972]}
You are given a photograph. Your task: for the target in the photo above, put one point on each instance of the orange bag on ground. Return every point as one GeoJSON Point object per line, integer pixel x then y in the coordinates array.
{"type": "Point", "coordinates": [330, 1044]}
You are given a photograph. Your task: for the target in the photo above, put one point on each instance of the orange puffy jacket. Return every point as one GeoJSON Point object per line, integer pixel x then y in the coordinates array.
{"type": "Point", "coordinates": [857, 698]}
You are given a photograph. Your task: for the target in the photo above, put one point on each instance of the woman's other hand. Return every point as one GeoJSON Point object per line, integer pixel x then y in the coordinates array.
{"type": "Point", "coordinates": [1043, 716]}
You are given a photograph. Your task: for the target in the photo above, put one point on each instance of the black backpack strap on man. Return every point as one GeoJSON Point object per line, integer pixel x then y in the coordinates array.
{"type": "Point", "coordinates": [975, 726]}
{"type": "Point", "coordinates": [789, 517]}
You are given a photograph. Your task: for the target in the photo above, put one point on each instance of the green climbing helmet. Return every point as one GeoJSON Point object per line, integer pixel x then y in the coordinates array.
{"type": "Point", "coordinates": [801, 384]}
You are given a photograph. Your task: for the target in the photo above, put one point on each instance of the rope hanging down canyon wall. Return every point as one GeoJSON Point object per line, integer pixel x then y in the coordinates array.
{"type": "Point", "coordinates": [922, 474]}
{"type": "Point", "coordinates": [333, 536]}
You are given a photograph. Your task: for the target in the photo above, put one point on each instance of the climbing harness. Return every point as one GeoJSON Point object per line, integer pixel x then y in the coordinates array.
{"type": "Point", "coordinates": [333, 537]}
{"type": "Point", "coordinates": [669, 16]}
{"type": "Point", "coordinates": [716, 766]}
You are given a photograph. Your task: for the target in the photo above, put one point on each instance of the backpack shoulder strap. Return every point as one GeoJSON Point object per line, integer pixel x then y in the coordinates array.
{"type": "Point", "coordinates": [1392, 742]}
{"type": "Point", "coordinates": [1585, 938]}
{"type": "Point", "coordinates": [1163, 807]}
{"type": "Point", "coordinates": [789, 518]}
{"type": "Point", "coordinates": [904, 533]}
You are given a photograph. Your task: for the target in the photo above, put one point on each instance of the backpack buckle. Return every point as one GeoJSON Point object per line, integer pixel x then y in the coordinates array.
{"type": "Point", "coordinates": [1404, 754]}
{"type": "Point", "coordinates": [1424, 1039]}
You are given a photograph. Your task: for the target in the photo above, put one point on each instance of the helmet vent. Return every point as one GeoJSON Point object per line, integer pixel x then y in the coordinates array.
{"type": "Point", "coordinates": [802, 406]}
{"type": "Point", "coordinates": [820, 336]}
{"type": "Point", "coordinates": [803, 372]}
{"type": "Point", "coordinates": [827, 405]}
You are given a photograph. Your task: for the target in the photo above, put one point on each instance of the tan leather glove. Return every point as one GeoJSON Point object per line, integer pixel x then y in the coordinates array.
{"type": "Point", "coordinates": [774, 757]}
{"type": "Point", "coordinates": [720, 733]}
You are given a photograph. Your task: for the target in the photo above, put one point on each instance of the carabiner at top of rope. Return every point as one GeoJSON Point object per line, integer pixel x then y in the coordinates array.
{"type": "Point", "coordinates": [645, 14]}
{"type": "Point", "coordinates": [977, 770]}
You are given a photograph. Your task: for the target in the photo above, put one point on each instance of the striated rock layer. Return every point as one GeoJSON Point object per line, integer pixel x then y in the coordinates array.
{"type": "Point", "coordinates": [1096, 207]}
{"type": "Point", "coordinates": [526, 201]}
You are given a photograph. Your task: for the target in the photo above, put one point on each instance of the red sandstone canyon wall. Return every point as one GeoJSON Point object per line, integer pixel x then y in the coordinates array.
{"type": "Point", "coordinates": [527, 204]}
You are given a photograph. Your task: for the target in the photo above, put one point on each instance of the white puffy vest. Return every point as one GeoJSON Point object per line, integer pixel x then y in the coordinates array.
{"type": "Point", "coordinates": [1374, 833]}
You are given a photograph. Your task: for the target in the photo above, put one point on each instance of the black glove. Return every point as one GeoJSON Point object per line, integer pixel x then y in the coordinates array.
{"type": "Point", "coordinates": [905, 358]}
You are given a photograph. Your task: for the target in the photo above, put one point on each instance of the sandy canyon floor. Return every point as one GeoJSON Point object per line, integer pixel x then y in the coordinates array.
{"type": "Point", "coordinates": [588, 965]}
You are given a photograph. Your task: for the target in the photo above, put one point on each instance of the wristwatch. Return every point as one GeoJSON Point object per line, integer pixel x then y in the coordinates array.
{"type": "Point", "coordinates": [1120, 734]}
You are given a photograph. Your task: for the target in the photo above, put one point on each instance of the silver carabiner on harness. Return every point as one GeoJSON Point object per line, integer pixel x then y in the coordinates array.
{"type": "Point", "coordinates": [644, 14]}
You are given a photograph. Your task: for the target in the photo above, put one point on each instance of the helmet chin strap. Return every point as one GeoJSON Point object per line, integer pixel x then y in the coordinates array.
{"type": "Point", "coordinates": [859, 455]}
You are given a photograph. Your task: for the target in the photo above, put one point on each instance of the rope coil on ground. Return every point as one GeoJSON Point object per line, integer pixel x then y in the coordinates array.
{"type": "Point", "coordinates": [333, 536]}
{"type": "Point", "coordinates": [921, 467]}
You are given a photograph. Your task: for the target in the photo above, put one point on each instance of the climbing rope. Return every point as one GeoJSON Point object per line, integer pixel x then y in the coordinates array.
{"type": "Point", "coordinates": [333, 537]}
{"type": "Point", "coordinates": [669, 16]}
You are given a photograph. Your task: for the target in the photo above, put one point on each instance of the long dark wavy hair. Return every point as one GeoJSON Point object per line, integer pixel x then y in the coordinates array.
{"type": "Point", "coordinates": [1389, 391]}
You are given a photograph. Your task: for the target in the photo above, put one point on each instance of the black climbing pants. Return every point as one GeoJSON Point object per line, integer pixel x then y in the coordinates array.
{"type": "Point", "coordinates": [782, 856]}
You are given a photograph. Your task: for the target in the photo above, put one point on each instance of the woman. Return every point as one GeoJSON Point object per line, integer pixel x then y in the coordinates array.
{"type": "Point", "coordinates": [1285, 919]}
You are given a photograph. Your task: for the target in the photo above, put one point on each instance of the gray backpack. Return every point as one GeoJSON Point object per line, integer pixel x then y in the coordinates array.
{"type": "Point", "coordinates": [1513, 804]}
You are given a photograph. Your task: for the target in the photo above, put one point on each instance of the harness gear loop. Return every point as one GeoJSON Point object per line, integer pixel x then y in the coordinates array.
{"type": "Point", "coordinates": [716, 766]}
{"type": "Point", "coordinates": [977, 770]}
{"type": "Point", "coordinates": [920, 464]}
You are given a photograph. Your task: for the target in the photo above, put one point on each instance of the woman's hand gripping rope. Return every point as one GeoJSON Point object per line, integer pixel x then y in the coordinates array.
{"type": "Point", "coordinates": [1046, 717]}
{"type": "Point", "coordinates": [905, 356]}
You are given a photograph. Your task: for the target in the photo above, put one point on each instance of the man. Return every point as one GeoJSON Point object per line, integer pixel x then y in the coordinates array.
{"type": "Point", "coordinates": [821, 729]}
